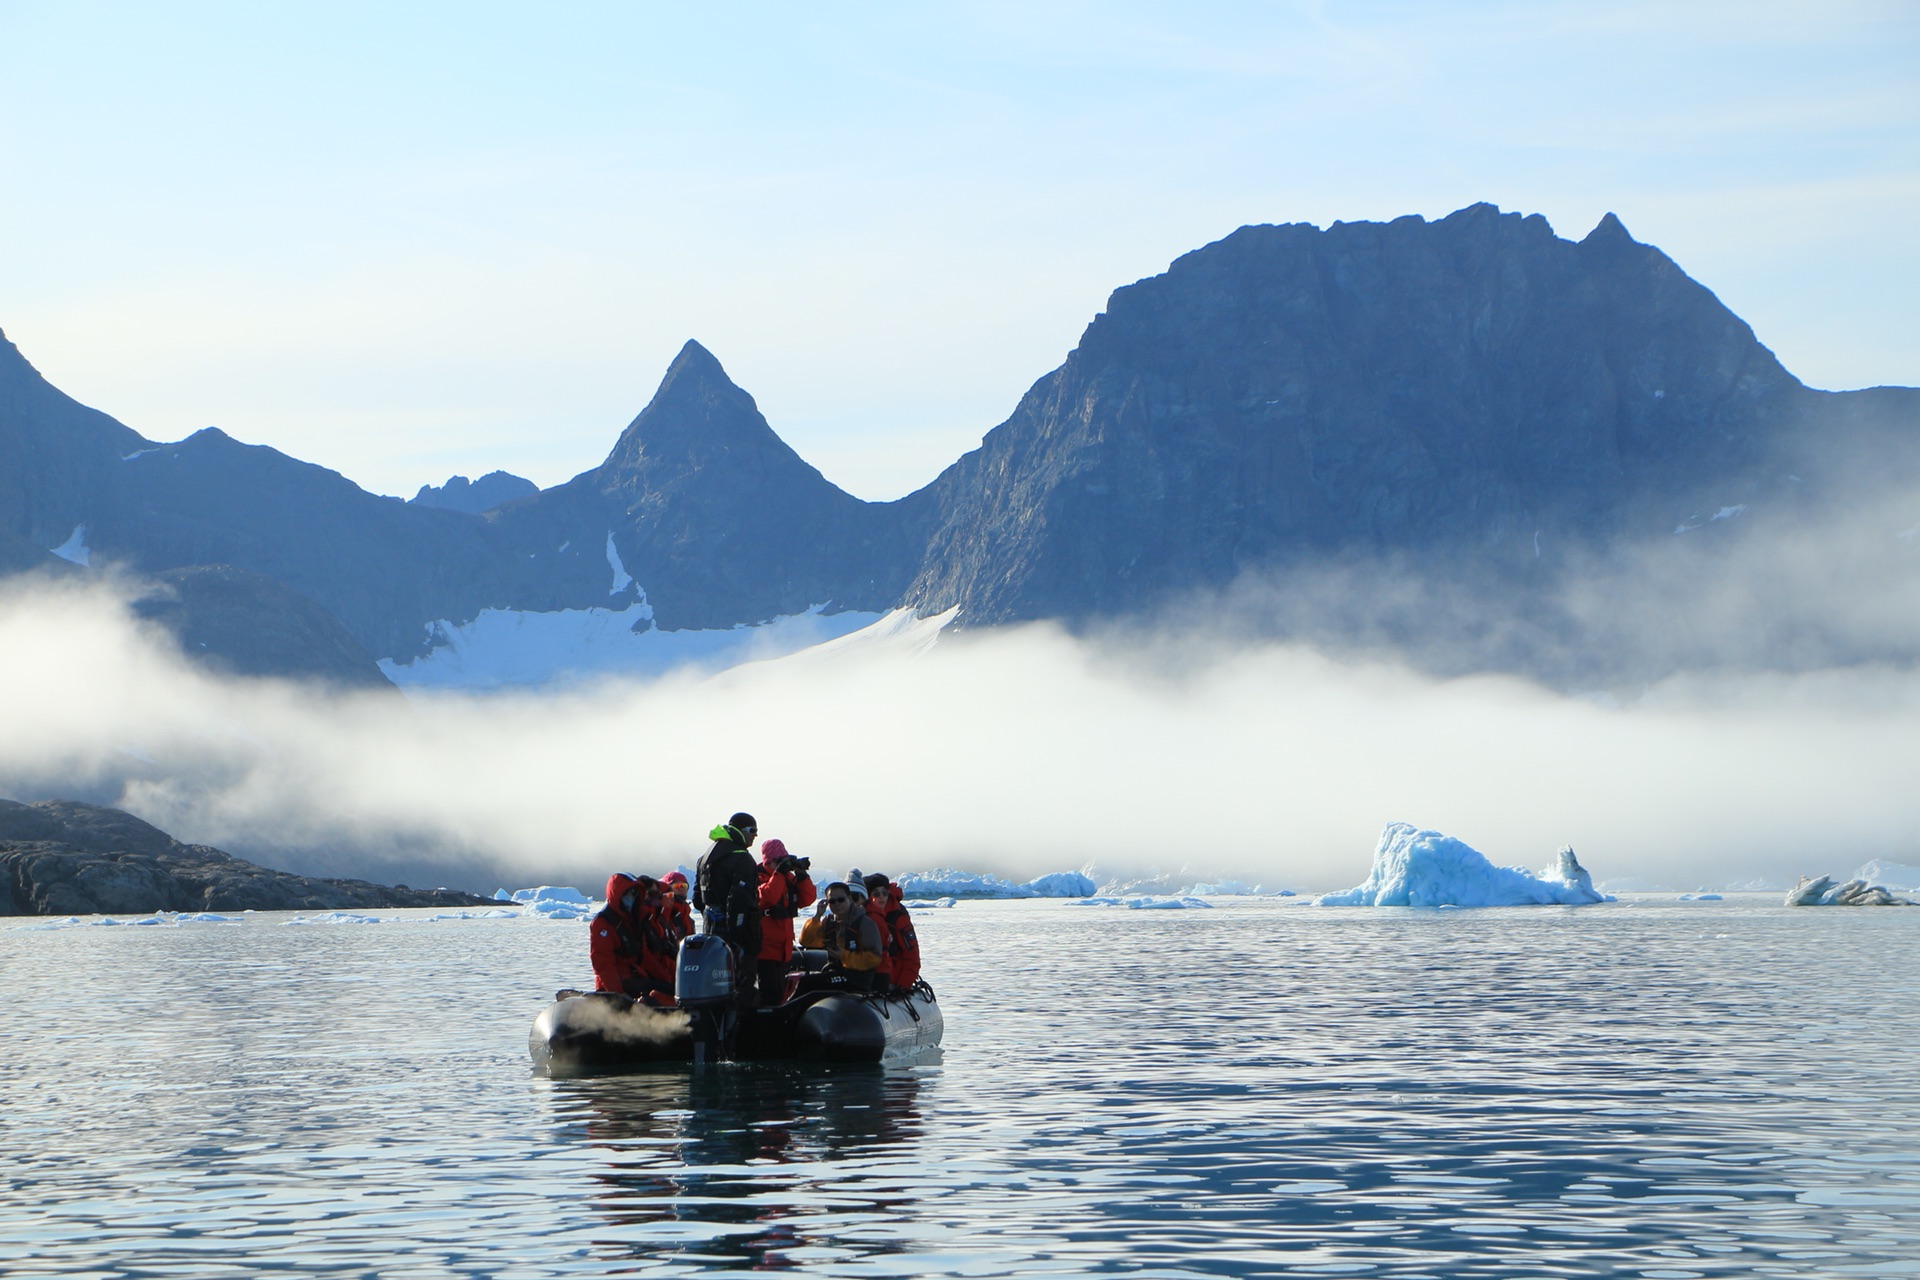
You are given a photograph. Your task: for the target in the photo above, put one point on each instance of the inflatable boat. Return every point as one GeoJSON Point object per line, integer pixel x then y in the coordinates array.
{"type": "Point", "coordinates": [590, 1032]}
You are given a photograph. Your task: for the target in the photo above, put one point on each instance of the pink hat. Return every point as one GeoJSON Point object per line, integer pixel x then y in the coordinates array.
{"type": "Point", "coordinates": [771, 851]}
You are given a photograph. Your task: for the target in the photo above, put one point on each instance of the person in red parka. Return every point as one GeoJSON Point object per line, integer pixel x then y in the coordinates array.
{"type": "Point", "coordinates": [678, 914]}
{"type": "Point", "coordinates": [786, 889]}
{"type": "Point", "coordinates": [659, 948]}
{"type": "Point", "coordinates": [883, 897]}
{"type": "Point", "coordinates": [905, 956]}
{"type": "Point", "coordinates": [626, 942]}
{"type": "Point", "coordinates": [615, 942]}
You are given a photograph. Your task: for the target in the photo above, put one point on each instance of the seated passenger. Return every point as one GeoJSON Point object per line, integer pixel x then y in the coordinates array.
{"type": "Point", "coordinates": [659, 948]}
{"type": "Point", "coordinates": [852, 942]}
{"type": "Point", "coordinates": [902, 965]}
{"type": "Point", "coordinates": [678, 914]}
{"type": "Point", "coordinates": [618, 946]}
{"type": "Point", "coordinates": [813, 934]}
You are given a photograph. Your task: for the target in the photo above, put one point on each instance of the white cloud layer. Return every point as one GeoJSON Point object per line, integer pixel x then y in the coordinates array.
{"type": "Point", "coordinates": [1021, 751]}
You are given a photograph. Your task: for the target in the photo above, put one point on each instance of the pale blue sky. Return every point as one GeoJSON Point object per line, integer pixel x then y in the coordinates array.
{"type": "Point", "coordinates": [410, 240]}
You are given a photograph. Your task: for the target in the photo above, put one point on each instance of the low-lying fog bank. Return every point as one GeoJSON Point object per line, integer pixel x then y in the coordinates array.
{"type": "Point", "coordinates": [1016, 752]}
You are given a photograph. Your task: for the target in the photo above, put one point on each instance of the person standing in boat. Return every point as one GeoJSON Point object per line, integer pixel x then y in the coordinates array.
{"type": "Point", "coordinates": [726, 893]}
{"type": "Point", "coordinates": [786, 889]}
{"type": "Point", "coordinates": [852, 941]}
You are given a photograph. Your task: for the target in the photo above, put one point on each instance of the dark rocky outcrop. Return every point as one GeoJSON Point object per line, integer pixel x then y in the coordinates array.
{"type": "Point", "coordinates": [247, 624]}
{"type": "Point", "coordinates": [476, 497]}
{"type": "Point", "coordinates": [63, 858]}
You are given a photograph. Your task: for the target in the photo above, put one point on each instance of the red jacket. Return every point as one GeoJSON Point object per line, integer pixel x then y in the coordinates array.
{"type": "Point", "coordinates": [615, 946]}
{"type": "Point", "coordinates": [903, 950]}
{"type": "Point", "coordinates": [629, 947]}
{"type": "Point", "coordinates": [783, 895]}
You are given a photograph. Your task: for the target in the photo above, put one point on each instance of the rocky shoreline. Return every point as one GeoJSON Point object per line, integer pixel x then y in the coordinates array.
{"type": "Point", "coordinates": [64, 858]}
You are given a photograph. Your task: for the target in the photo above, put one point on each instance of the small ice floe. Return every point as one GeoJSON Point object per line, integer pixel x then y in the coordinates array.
{"type": "Point", "coordinates": [334, 917]}
{"type": "Point", "coordinates": [1823, 892]}
{"type": "Point", "coordinates": [1414, 868]}
{"type": "Point", "coordinates": [501, 895]}
{"type": "Point", "coordinates": [1145, 904]}
{"type": "Point", "coordinates": [928, 904]}
{"type": "Point", "coordinates": [1701, 897]}
{"type": "Point", "coordinates": [45, 926]}
{"type": "Point", "coordinates": [496, 914]}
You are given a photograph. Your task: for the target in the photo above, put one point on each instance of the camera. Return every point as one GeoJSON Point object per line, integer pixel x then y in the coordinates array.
{"type": "Point", "coordinates": [794, 866]}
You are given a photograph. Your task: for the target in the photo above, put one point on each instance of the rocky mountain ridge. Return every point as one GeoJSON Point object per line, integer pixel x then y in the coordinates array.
{"type": "Point", "coordinates": [1474, 397]}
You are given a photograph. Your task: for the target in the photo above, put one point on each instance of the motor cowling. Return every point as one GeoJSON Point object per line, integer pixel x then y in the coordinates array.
{"type": "Point", "coordinates": [703, 977]}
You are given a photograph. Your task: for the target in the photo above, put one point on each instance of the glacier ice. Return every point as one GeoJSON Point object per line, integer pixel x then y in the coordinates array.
{"type": "Point", "coordinates": [945, 882]}
{"type": "Point", "coordinates": [1894, 875]}
{"type": "Point", "coordinates": [1415, 868]}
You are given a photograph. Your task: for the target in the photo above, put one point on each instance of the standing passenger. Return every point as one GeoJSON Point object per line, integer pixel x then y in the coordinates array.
{"type": "Point", "coordinates": [726, 892]}
{"type": "Point", "coordinates": [785, 890]}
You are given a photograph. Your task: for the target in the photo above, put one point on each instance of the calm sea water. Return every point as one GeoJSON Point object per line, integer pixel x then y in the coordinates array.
{"type": "Point", "coordinates": [1656, 1089]}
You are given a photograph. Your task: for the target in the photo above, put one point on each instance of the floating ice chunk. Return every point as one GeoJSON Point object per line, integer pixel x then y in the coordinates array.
{"type": "Point", "coordinates": [1823, 892]}
{"type": "Point", "coordinates": [550, 893]}
{"type": "Point", "coordinates": [1061, 884]}
{"type": "Point", "coordinates": [1178, 903]}
{"type": "Point", "coordinates": [560, 910]}
{"type": "Point", "coordinates": [1414, 868]}
{"type": "Point", "coordinates": [501, 895]}
{"type": "Point", "coordinates": [946, 882]}
{"type": "Point", "coordinates": [334, 917]}
{"type": "Point", "coordinates": [928, 904]}
{"type": "Point", "coordinates": [475, 915]}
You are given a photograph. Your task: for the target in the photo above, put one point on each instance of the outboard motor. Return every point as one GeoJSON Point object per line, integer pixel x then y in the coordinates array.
{"type": "Point", "coordinates": [703, 987]}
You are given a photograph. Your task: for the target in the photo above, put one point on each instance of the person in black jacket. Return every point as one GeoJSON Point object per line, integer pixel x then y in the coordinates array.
{"type": "Point", "coordinates": [726, 893]}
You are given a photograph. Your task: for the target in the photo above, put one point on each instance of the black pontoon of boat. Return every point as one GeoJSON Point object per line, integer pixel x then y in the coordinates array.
{"type": "Point", "coordinates": [585, 1032]}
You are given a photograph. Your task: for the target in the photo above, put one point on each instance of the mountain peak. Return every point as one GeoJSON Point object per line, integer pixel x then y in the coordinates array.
{"type": "Point", "coordinates": [1609, 230]}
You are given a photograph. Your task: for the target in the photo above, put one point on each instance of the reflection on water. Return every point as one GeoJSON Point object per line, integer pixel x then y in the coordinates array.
{"type": "Point", "coordinates": [1657, 1090]}
{"type": "Point", "coordinates": [711, 1166]}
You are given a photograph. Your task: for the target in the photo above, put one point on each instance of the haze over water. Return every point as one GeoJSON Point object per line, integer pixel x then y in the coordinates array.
{"type": "Point", "coordinates": [1657, 1088]}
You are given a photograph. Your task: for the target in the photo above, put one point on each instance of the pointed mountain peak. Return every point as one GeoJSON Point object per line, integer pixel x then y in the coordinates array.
{"type": "Point", "coordinates": [700, 422]}
{"type": "Point", "coordinates": [1608, 231]}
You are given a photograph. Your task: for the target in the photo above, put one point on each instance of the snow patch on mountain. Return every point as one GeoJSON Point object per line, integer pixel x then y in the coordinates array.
{"type": "Point", "coordinates": [512, 648]}
{"type": "Point", "coordinates": [74, 549]}
{"type": "Point", "coordinates": [621, 578]}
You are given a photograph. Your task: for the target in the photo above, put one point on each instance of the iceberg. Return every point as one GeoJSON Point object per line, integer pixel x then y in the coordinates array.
{"type": "Point", "coordinates": [1415, 868]}
{"type": "Point", "coordinates": [948, 883]}
{"type": "Point", "coordinates": [550, 893]}
{"type": "Point", "coordinates": [1894, 875]}
{"type": "Point", "coordinates": [1823, 892]}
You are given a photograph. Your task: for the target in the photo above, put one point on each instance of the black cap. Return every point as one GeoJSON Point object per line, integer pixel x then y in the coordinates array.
{"type": "Point", "coordinates": [743, 823]}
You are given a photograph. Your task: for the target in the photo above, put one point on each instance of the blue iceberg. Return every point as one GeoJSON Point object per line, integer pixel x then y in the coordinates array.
{"type": "Point", "coordinates": [1414, 868]}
